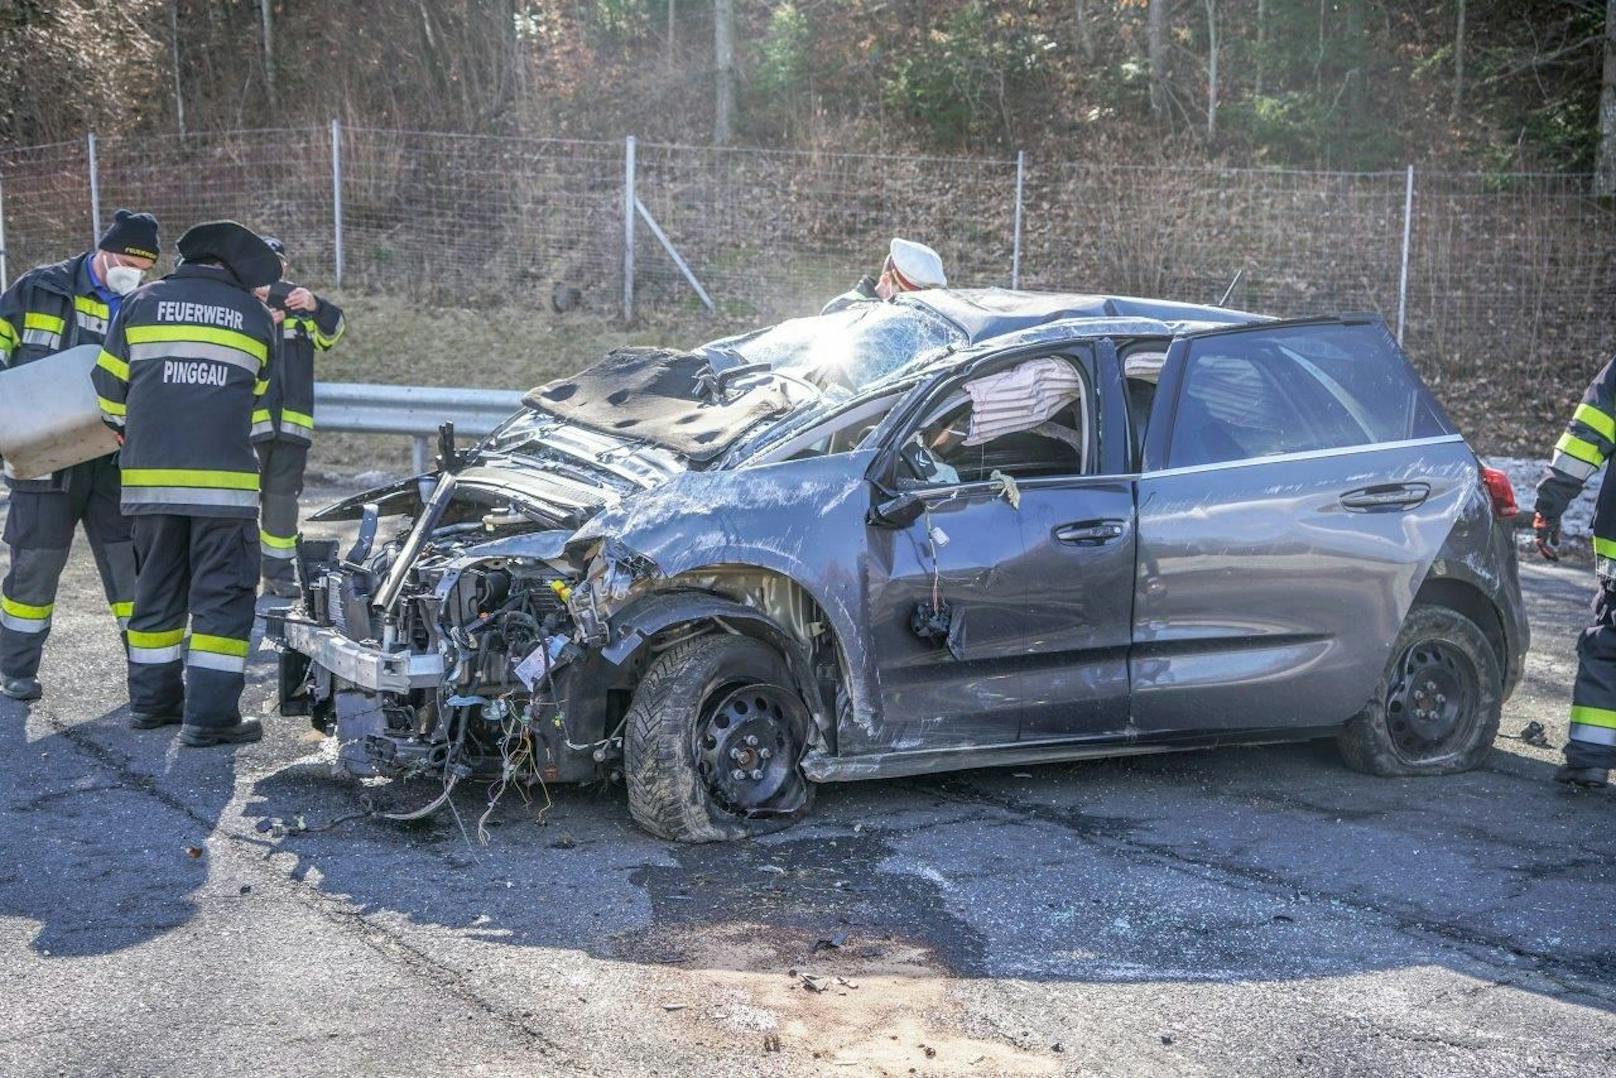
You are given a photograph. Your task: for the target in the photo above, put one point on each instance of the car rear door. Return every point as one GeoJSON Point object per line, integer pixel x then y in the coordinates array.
{"type": "Point", "coordinates": [1298, 481]}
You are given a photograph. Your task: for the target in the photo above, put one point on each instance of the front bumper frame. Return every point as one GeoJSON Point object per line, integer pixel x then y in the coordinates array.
{"type": "Point", "coordinates": [362, 666]}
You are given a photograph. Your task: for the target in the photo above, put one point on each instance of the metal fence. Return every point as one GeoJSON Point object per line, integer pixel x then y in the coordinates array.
{"type": "Point", "coordinates": [1501, 279]}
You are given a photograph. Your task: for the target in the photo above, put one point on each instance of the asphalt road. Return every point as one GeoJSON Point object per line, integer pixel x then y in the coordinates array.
{"type": "Point", "coordinates": [1250, 911]}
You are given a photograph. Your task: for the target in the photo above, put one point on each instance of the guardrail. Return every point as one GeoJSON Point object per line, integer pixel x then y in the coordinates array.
{"type": "Point", "coordinates": [415, 411]}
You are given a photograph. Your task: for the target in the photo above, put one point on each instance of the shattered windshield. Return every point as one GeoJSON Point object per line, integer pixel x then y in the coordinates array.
{"type": "Point", "coordinates": [851, 348]}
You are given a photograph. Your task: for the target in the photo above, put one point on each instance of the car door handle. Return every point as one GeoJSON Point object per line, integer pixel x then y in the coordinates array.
{"type": "Point", "coordinates": [1390, 496]}
{"type": "Point", "coordinates": [1090, 532]}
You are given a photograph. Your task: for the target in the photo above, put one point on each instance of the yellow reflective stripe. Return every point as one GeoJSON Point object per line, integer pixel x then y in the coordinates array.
{"type": "Point", "coordinates": [122, 610]}
{"type": "Point", "coordinates": [261, 416]}
{"type": "Point", "coordinates": [219, 645]}
{"type": "Point", "coordinates": [166, 638]}
{"type": "Point", "coordinates": [276, 541]}
{"type": "Point", "coordinates": [92, 306]}
{"type": "Point", "coordinates": [260, 387]}
{"type": "Point", "coordinates": [111, 407]}
{"type": "Point", "coordinates": [297, 418]}
{"type": "Point", "coordinates": [1587, 452]}
{"type": "Point", "coordinates": [113, 365]}
{"type": "Point", "coordinates": [8, 336]}
{"type": "Point", "coordinates": [1594, 716]}
{"type": "Point", "coordinates": [47, 322]}
{"type": "Point", "coordinates": [189, 477]}
{"type": "Point", "coordinates": [1600, 423]}
{"type": "Point", "coordinates": [322, 341]}
{"type": "Point", "coordinates": [229, 338]}
{"type": "Point", "coordinates": [1605, 548]}
{"type": "Point", "coordinates": [23, 610]}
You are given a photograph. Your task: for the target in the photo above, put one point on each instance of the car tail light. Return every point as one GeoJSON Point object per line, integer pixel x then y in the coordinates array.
{"type": "Point", "coordinates": [1501, 491]}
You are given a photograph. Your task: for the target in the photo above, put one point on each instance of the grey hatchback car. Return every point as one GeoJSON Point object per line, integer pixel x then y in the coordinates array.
{"type": "Point", "coordinates": [959, 529]}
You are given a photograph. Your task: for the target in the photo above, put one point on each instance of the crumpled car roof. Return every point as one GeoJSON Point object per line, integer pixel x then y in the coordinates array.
{"type": "Point", "coordinates": [989, 313]}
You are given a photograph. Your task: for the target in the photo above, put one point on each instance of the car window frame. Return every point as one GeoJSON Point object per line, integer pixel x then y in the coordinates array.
{"type": "Point", "coordinates": [1162, 424]}
{"type": "Point", "coordinates": [1088, 357]}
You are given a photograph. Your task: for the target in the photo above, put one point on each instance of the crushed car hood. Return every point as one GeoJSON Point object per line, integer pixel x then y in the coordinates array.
{"type": "Point", "coordinates": [672, 399]}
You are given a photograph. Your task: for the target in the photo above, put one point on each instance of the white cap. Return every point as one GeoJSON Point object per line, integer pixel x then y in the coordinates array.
{"type": "Point", "coordinates": [917, 264]}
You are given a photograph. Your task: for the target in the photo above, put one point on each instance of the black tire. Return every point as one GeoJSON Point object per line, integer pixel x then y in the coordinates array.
{"type": "Point", "coordinates": [668, 741]}
{"type": "Point", "coordinates": [1411, 728]}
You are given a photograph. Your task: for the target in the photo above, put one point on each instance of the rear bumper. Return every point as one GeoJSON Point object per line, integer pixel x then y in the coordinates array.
{"type": "Point", "coordinates": [361, 666]}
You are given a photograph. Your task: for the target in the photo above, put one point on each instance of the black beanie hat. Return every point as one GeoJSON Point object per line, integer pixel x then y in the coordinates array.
{"type": "Point", "coordinates": [241, 250]}
{"type": "Point", "coordinates": [131, 233]}
{"type": "Point", "coordinates": [275, 245]}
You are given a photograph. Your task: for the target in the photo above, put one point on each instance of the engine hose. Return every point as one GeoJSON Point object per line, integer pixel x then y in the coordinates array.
{"type": "Point", "coordinates": [428, 809]}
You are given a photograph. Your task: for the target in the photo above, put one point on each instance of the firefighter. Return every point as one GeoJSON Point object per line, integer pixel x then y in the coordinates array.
{"type": "Point", "coordinates": [909, 267]}
{"type": "Point", "coordinates": [179, 377]}
{"type": "Point", "coordinates": [48, 310]}
{"type": "Point", "coordinates": [284, 426]}
{"type": "Point", "coordinates": [1587, 442]}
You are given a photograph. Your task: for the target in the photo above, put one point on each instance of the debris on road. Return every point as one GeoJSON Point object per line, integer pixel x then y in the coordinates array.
{"type": "Point", "coordinates": [1534, 733]}
{"type": "Point", "coordinates": [833, 943]}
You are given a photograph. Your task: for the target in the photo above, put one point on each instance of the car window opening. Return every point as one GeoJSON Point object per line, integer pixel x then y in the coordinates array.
{"type": "Point", "coordinates": [1030, 421]}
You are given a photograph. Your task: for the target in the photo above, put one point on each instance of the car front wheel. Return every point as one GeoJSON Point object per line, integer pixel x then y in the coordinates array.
{"type": "Point", "coordinates": [714, 740]}
{"type": "Point", "coordinates": [1436, 709]}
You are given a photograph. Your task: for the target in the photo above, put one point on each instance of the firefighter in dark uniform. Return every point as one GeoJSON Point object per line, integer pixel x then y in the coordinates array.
{"type": "Point", "coordinates": [1580, 452]}
{"type": "Point", "coordinates": [283, 426]}
{"type": "Point", "coordinates": [179, 378]}
{"type": "Point", "coordinates": [48, 310]}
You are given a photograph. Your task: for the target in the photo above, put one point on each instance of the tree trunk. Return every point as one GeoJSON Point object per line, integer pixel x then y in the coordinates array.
{"type": "Point", "coordinates": [671, 4]}
{"type": "Point", "coordinates": [1157, 37]}
{"type": "Point", "coordinates": [1605, 178]}
{"type": "Point", "coordinates": [1085, 39]}
{"type": "Point", "coordinates": [174, 41]}
{"type": "Point", "coordinates": [1458, 62]}
{"type": "Point", "coordinates": [724, 57]}
{"type": "Point", "coordinates": [269, 51]}
{"type": "Point", "coordinates": [1211, 70]}
{"type": "Point", "coordinates": [1262, 45]}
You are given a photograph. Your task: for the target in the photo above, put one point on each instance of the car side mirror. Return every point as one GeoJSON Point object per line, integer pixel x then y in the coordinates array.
{"type": "Point", "coordinates": [899, 512]}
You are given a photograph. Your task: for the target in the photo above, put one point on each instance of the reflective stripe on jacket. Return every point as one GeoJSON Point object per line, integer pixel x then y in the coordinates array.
{"type": "Point", "coordinates": [1582, 450]}
{"type": "Point", "coordinates": [180, 375]}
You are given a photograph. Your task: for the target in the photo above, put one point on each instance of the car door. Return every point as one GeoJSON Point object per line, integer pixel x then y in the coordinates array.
{"type": "Point", "coordinates": [1298, 482]}
{"type": "Point", "coordinates": [1036, 582]}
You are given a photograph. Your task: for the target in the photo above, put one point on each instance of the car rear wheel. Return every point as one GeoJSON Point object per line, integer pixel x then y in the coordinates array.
{"type": "Point", "coordinates": [714, 740]}
{"type": "Point", "coordinates": [1436, 709]}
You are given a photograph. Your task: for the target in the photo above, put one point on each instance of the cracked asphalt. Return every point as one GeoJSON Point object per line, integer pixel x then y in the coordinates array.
{"type": "Point", "coordinates": [1253, 911]}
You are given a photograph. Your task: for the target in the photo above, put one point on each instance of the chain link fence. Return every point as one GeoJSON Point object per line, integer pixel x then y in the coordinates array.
{"type": "Point", "coordinates": [1505, 281]}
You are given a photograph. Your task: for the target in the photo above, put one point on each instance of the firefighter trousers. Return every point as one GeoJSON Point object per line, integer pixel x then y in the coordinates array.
{"type": "Point", "coordinates": [281, 463]}
{"type": "Point", "coordinates": [39, 532]}
{"type": "Point", "coordinates": [1593, 696]}
{"type": "Point", "coordinates": [205, 568]}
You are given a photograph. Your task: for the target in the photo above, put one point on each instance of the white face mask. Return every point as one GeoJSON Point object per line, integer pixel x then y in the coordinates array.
{"type": "Point", "coordinates": [123, 279]}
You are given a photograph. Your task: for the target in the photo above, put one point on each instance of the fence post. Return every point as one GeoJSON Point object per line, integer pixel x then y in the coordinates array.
{"type": "Point", "coordinates": [5, 280]}
{"type": "Point", "coordinates": [336, 198]}
{"type": "Point", "coordinates": [95, 193]}
{"type": "Point", "coordinates": [628, 229]}
{"type": "Point", "coordinates": [1015, 248]}
{"type": "Point", "coordinates": [1408, 235]}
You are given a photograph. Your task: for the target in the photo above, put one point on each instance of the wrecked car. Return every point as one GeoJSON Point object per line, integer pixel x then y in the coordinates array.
{"type": "Point", "coordinates": [958, 529]}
